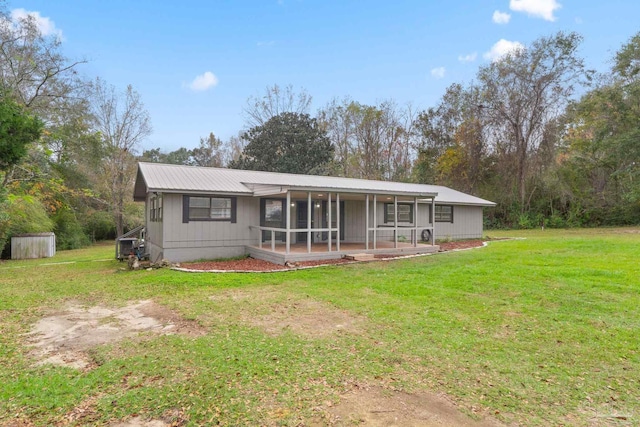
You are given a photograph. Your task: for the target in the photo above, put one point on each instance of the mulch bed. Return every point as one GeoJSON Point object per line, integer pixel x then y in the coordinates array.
{"type": "Point", "coordinates": [461, 244]}
{"type": "Point", "coordinates": [251, 264]}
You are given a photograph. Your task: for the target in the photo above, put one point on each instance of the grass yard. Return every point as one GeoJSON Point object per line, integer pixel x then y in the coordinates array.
{"type": "Point", "coordinates": [537, 331]}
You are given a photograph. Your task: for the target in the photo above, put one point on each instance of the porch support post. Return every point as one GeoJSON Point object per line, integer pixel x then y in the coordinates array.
{"type": "Point", "coordinates": [338, 222]}
{"type": "Point", "coordinates": [329, 221]}
{"type": "Point", "coordinates": [395, 222]}
{"type": "Point", "coordinates": [309, 211]}
{"type": "Point", "coordinates": [288, 217]}
{"type": "Point", "coordinates": [366, 222]}
{"type": "Point", "coordinates": [375, 221]}
{"type": "Point", "coordinates": [433, 221]}
{"type": "Point", "coordinates": [415, 222]}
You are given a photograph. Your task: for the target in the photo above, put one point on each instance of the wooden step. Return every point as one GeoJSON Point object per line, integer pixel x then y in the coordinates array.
{"type": "Point", "coordinates": [360, 257]}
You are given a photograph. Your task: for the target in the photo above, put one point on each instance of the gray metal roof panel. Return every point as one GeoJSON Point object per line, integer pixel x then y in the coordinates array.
{"type": "Point", "coordinates": [163, 177]}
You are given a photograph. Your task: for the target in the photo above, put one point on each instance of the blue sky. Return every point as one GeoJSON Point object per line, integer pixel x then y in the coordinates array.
{"type": "Point", "coordinates": [195, 63]}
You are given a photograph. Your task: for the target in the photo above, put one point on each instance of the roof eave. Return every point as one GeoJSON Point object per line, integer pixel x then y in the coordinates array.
{"type": "Point", "coordinates": [140, 190]}
{"type": "Point", "coordinates": [198, 192]}
{"type": "Point", "coordinates": [482, 204]}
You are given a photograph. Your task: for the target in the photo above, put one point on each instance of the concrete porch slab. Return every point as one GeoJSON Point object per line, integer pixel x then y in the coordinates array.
{"type": "Point", "coordinates": [319, 252]}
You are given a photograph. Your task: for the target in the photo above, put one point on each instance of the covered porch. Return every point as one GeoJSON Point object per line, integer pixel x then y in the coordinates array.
{"type": "Point", "coordinates": [319, 252]}
{"type": "Point", "coordinates": [318, 224]}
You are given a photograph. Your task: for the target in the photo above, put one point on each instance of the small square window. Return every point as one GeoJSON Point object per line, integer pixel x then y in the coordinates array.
{"type": "Point", "coordinates": [155, 208]}
{"type": "Point", "coordinates": [444, 213]}
{"type": "Point", "coordinates": [209, 208]}
{"type": "Point", "coordinates": [405, 213]}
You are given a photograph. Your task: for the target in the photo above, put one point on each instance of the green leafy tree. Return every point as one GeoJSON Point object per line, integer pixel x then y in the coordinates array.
{"type": "Point", "coordinates": [209, 152]}
{"type": "Point", "coordinates": [452, 142]}
{"type": "Point", "coordinates": [601, 156]}
{"type": "Point", "coordinates": [288, 142]}
{"type": "Point", "coordinates": [18, 129]}
{"type": "Point", "coordinates": [181, 156]}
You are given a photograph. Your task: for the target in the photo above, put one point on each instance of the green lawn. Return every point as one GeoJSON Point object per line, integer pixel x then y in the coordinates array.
{"type": "Point", "coordinates": [537, 331]}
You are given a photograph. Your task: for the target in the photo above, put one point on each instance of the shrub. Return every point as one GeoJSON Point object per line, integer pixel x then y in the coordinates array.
{"type": "Point", "coordinates": [556, 221]}
{"type": "Point", "coordinates": [69, 232]}
{"type": "Point", "coordinates": [525, 221]}
{"type": "Point", "coordinates": [99, 225]}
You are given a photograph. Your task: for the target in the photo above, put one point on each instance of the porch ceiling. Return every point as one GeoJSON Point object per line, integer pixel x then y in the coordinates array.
{"type": "Point", "coordinates": [315, 195]}
{"type": "Point", "coordinates": [323, 194]}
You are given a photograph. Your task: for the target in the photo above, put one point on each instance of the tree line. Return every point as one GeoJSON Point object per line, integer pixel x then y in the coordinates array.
{"type": "Point", "coordinates": [551, 142]}
{"type": "Point", "coordinates": [517, 134]}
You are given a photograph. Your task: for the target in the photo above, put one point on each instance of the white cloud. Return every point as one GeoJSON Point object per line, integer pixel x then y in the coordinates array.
{"type": "Point", "coordinates": [501, 48]}
{"type": "Point", "coordinates": [501, 17]}
{"type": "Point", "coordinates": [540, 8]}
{"type": "Point", "coordinates": [468, 58]}
{"type": "Point", "coordinates": [203, 82]}
{"type": "Point", "coordinates": [438, 72]}
{"type": "Point", "coordinates": [45, 25]}
{"type": "Point", "coordinates": [266, 43]}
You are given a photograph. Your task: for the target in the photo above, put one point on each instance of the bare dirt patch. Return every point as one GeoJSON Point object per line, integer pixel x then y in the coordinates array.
{"type": "Point", "coordinates": [86, 413]}
{"type": "Point", "coordinates": [140, 422]}
{"type": "Point", "coordinates": [306, 317]}
{"type": "Point", "coordinates": [276, 313]}
{"type": "Point", "coordinates": [376, 406]}
{"type": "Point", "coordinates": [170, 418]}
{"type": "Point", "coordinates": [64, 338]}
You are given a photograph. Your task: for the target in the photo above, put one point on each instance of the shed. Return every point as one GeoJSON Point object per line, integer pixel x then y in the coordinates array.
{"type": "Point", "coordinates": [33, 245]}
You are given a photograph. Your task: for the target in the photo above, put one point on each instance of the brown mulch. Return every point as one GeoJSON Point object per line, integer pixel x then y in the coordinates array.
{"type": "Point", "coordinates": [251, 264]}
{"type": "Point", "coordinates": [460, 244]}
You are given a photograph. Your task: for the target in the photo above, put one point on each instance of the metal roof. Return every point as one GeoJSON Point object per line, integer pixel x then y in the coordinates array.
{"type": "Point", "coordinates": [193, 179]}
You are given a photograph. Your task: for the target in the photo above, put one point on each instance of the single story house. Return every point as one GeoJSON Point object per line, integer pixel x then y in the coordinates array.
{"type": "Point", "coordinates": [207, 213]}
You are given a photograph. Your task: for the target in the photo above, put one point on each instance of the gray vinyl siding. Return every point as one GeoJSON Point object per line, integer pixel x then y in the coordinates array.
{"type": "Point", "coordinates": [208, 239]}
{"type": "Point", "coordinates": [156, 254]}
{"type": "Point", "coordinates": [355, 225]}
{"type": "Point", "coordinates": [423, 215]}
{"type": "Point", "coordinates": [467, 224]}
{"type": "Point", "coordinates": [354, 218]}
{"type": "Point", "coordinates": [153, 231]}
